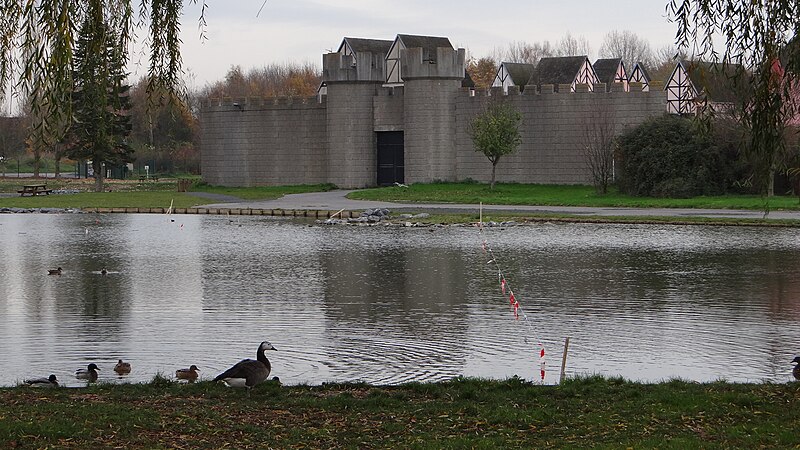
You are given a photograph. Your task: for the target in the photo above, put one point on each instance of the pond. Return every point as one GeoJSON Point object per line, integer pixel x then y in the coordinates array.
{"type": "Point", "coordinates": [388, 305]}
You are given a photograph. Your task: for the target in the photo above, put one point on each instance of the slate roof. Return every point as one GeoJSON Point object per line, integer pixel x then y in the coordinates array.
{"type": "Point", "coordinates": [557, 70]}
{"type": "Point", "coordinates": [467, 81]}
{"type": "Point", "coordinates": [606, 69]}
{"type": "Point", "coordinates": [717, 80]}
{"type": "Point", "coordinates": [428, 44]}
{"type": "Point", "coordinates": [520, 72]}
{"type": "Point", "coordinates": [377, 46]}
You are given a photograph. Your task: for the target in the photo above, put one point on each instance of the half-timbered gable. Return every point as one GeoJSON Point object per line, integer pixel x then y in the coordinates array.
{"type": "Point", "coordinates": [610, 71]}
{"type": "Point", "coordinates": [428, 44]}
{"type": "Point", "coordinates": [681, 92]}
{"type": "Point", "coordinates": [513, 74]}
{"type": "Point", "coordinates": [639, 75]}
{"type": "Point", "coordinates": [571, 70]}
{"type": "Point", "coordinates": [699, 85]}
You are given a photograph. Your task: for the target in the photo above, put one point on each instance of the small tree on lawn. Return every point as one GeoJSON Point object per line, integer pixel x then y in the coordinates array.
{"type": "Point", "coordinates": [495, 132]}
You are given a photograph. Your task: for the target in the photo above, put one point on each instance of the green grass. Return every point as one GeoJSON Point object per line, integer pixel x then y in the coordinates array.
{"type": "Point", "coordinates": [464, 413]}
{"type": "Point", "coordinates": [263, 192]}
{"type": "Point", "coordinates": [558, 195]}
{"type": "Point", "coordinates": [135, 194]}
{"type": "Point", "coordinates": [153, 199]}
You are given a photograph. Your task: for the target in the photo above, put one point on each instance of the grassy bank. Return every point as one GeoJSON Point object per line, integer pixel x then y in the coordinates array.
{"type": "Point", "coordinates": [583, 413]}
{"type": "Point", "coordinates": [134, 194]}
{"type": "Point", "coordinates": [559, 195]}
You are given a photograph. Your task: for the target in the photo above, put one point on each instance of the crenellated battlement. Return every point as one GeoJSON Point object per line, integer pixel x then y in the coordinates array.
{"type": "Point", "coordinates": [448, 64]}
{"type": "Point", "coordinates": [361, 67]}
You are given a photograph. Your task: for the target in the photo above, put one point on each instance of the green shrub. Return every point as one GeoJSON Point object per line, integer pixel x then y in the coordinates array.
{"type": "Point", "coordinates": [668, 156]}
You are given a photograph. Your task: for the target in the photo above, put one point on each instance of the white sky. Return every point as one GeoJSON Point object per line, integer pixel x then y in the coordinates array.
{"type": "Point", "coordinates": [302, 30]}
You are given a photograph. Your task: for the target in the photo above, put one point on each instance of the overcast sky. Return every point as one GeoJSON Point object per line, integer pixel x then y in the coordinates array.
{"type": "Point", "coordinates": [302, 30]}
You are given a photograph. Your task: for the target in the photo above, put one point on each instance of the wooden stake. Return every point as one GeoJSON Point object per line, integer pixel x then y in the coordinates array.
{"type": "Point", "coordinates": [564, 361]}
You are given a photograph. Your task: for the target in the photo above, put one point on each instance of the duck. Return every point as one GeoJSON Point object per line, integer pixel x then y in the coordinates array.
{"type": "Point", "coordinates": [90, 373]}
{"type": "Point", "coordinates": [103, 271]}
{"type": "Point", "coordinates": [796, 370]}
{"type": "Point", "coordinates": [50, 381]}
{"type": "Point", "coordinates": [122, 368]}
{"type": "Point", "coordinates": [54, 271]}
{"type": "Point", "coordinates": [189, 374]}
{"type": "Point", "coordinates": [249, 372]}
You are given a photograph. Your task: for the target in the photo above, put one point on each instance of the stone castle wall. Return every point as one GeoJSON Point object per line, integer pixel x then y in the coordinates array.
{"type": "Point", "coordinates": [266, 142]}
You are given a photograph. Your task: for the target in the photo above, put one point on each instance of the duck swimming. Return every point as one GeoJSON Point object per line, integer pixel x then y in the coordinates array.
{"type": "Point", "coordinates": [796, 370]}
{"type": "Point", "coordinates": [249, 372]}
{"type": "Point", "coordinates": [50, 381]}
{"type": "Point", "coordinates": [189, 374]}
{"type": "Point", "coordinates": [122, 368]}
{"type": "Point", "coordinates": [90, 373]}
{"type": "Point", "coordinates": [103, 271]}
{"type": "Point", "coordinates": [54, 271]}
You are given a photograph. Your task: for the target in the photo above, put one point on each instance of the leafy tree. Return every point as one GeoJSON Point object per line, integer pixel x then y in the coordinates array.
{"type": "Point", "coordinates": [100, 99]}
{"type": "Point", "coordinates": [37, 44]}
{"type": "Point", "coordinates": [273, 80]}
{"type": "Point", "coordinates": [482, 72]}
{"type": "Point", "coordinates": [495, 132]}
{"type": "Point", "coordinates": [756, 34]}
{"type": "Point", "coordinates": [670, 156]}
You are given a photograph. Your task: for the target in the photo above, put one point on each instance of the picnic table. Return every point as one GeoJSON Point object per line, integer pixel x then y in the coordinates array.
{"type": "Point", "coordinates": [145, 177]}
{"type": "Point", "coordinates": [34, 189]}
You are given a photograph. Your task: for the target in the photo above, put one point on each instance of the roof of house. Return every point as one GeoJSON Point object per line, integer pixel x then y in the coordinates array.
{"type": "Point", "coordinates": [467, 81]}
{"type": "Point", "coordinates": [721, 82]}
{"type": "Point", "coordinates": [641, 69]}
{"type": "Point", "coordinates": [361, 45]}
{"type": "Point", "coordinates": [606, 69]}
{"type": "Point", "coordinates": [557, 70]}
{"type": "Point", "coordinates": [426, 42]}
{"type": "Point", "coordinates": [520, 72]}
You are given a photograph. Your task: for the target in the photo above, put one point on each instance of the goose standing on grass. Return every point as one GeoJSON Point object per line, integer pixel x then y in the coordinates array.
{"type": "Point", "coordinates": [89, 373]}
{"type": "Point", "coordinates": [54, 271]}
{"type": "Point", "coordinates": [796, 370]}
{"type": "Point", "coordinates": [50, 381]}
{"type": "Point", "coordinates": [249, 372]}
{"type": "Point", "coordinates": [122, 368]}
{"type": "Point", "coordinates": [189, 374]}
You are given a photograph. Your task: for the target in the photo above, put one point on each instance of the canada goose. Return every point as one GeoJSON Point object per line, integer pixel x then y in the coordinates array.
{"type": "Point", "coordinates": [90, 373]}
{"type": "Point", "coordinates": [249, 372]}
{"type": "Point", "coordinates": [122, 368]}
{"type": "Point", "coordinates": [50, 381]}
{"type": "Point", "coordinates": [189, 374]}
{"type": "Point", "coordinates": [796, 370]}
{"type": "Point", "coordinates": [54, 271]}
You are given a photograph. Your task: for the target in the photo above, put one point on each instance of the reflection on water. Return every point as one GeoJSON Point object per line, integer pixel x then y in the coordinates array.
{"type": "Point", "coordinates": [389, 305]}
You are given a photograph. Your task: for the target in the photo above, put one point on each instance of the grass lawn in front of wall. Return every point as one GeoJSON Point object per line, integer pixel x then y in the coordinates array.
{"type": "Point", "coordinates": [152, 199]}
{"type": "Point", "coordinates": [559, 195]}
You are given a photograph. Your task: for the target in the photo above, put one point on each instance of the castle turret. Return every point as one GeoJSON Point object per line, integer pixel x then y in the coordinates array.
{"type": "Point", "coordinates": [351, 84]}
{"type": "Point", "coordinates": [431, 88]}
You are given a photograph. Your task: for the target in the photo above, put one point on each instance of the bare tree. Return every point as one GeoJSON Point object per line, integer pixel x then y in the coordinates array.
{"type": "Point", "coordinates": [598, 146]}
{"type": "Point", "coordinates": [570, 45]}
{"type": "Point", "coordinates": [523, 52]}
{"type": "Point", "coordinates": [664, 60]}
{"type": "Point", "coordinates": [626, 45]}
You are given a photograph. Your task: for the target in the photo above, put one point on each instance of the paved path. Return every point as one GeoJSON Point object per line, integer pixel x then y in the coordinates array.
{"type": "Point", "coordinates": [336, 200]}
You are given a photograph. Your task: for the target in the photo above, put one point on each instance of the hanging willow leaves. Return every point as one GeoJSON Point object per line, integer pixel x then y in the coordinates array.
{"type": "Point", "coordinates": [37, 42]}
{"type": "Point", "coordinates": [761, 36]}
